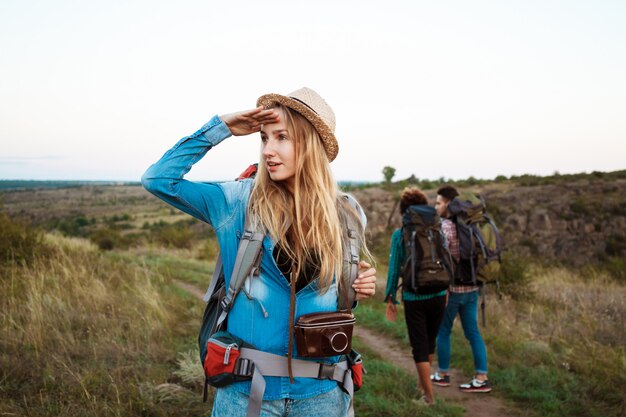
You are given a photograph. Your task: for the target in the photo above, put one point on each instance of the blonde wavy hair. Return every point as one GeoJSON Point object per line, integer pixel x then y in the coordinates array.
{"type": "Point", "coordinates": [309, 224]}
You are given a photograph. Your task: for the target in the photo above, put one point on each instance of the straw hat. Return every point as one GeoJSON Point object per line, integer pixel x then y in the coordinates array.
{"type": "Point", "coordinates": [315, 109]}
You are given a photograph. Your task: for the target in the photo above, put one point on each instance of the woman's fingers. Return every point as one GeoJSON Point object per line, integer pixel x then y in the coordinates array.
{"type": "Point", "coordinates": [365, 280]}
{"type": "Point", "coordinates": [249, 121]}
{"type": "Point", "coordinates": [366, 283]}
{"type": "Point", "coordinates": [265, 116]}
{"type": "Point", "coordinates": [366, 269]}
{"type": "Point", "coordinates": [362, 296]}
{"type": "Point", "coordinates": [364, 265]}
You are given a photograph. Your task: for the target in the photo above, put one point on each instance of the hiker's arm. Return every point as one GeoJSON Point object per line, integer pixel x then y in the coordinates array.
{"type": "Point", "coordinates": [393, 273]}
{"type": "Point", "coordinates": [164, 179]}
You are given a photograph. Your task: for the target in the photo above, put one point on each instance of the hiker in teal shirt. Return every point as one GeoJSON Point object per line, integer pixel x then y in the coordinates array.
{"type": "Point", "coordinates": [423, 312]}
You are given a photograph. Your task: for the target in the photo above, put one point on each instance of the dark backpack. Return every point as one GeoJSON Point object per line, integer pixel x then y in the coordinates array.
{"type": "Point", "coordinates": [480, 243]}
{"type": "Point", "coordinates": [427, 266]}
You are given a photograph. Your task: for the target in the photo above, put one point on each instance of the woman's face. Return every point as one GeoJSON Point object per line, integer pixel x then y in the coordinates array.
{"type": "Point", "coordinates": [278, 152]}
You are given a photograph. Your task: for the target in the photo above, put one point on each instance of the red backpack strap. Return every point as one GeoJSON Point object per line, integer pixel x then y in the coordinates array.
{"type": "Point", "coordinates": [250, 172]}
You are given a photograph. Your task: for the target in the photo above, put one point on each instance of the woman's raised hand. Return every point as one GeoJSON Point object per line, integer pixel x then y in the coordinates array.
{"type": "Point", "coordinates": [249, 121]}
{"type": "Point", "coordinates": [365, 284]}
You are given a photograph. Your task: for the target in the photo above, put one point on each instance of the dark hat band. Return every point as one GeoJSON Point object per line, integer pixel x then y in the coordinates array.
{"type": "Point", "coordinates": [302, 102]}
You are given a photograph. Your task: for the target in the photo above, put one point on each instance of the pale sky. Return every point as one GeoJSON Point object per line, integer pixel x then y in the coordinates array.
{"type": "Point", "coordinates": [99, 90]}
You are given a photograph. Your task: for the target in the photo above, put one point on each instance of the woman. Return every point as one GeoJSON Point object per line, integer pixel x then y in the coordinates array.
{"type": "Point", "coordinates": [423, 311]}
{"type": "Point", "coordinates": [296, 200]}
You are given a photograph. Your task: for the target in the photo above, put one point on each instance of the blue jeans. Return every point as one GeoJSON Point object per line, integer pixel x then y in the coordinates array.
{"type": "Point", "coordinates": [232, 403]}
{"type": "Point", "coordinates": [466, 305]}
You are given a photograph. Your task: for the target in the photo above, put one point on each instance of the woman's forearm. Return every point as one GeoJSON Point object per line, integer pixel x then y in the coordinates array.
{"type": "Point", "coordinates": [165, 178]}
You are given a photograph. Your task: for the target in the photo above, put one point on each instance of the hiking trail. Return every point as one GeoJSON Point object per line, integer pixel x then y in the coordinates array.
{"type": "Point", "coordinates": [475, 405]}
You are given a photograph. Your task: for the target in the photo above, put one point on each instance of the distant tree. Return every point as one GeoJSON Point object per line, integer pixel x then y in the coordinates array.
{"type": "Point", "coordinates": [388, 173]}
{"type": "Point", "coordinates": [426, 184]}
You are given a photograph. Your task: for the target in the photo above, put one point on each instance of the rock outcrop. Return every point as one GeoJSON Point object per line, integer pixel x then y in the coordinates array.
{"type": "Point", "coordinates": [572, 222]}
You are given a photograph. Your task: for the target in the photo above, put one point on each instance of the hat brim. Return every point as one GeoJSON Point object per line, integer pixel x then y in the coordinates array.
{"type": "Point", "coordinates": [329, 141]}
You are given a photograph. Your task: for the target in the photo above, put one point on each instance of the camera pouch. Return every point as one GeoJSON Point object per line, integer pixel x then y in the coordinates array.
{"type": "Point", "coordinates": [324, 334]}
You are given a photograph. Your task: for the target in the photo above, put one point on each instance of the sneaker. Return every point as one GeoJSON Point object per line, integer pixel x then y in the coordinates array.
{"type": "Point", "coordinates": [476, 385]}
{"type": "Point", "coordinates": [442, 381]}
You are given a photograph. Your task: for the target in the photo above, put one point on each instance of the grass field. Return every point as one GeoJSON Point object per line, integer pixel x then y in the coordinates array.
{"type": "Point", "coordinates": [557, 352]}
{"type": "Point", "coordinates": [91, 323]}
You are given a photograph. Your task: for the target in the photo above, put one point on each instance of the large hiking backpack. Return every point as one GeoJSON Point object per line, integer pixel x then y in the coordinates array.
{"type": "Point", "coordinates": [240, 360]}
{"type": "Point", "coordinates": [427, 266]}
{"type": "Point", "coordinates": [480, 243]}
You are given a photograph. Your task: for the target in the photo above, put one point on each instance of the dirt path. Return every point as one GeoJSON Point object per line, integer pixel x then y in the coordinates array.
{"type": "Point", "coordinates": [191, 289]}
{"type": "Point", "coordinates": [476, 405]}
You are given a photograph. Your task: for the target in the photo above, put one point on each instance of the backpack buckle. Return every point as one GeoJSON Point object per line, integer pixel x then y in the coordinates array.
{"type": "Point", "coordinates": [244, 367]}
{"type": "Point", "coordinates": [354, 259]}
{"type": "Point", "coordinates": [228, 298]}
{"type": "Point", "coordinates": [326, 371]}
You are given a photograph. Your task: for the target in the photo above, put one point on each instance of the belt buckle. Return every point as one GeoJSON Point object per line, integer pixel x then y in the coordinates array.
{"type": "Point", "coordinates": [326, 371]}
{"type": "Point", "coordinates": [243, 367]}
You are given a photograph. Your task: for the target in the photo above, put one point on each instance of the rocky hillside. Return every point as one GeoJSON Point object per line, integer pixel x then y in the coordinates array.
{"type": "Point", "coordinates": [576, 219]}
{"type": "Point", "coordinates": [571, 221]}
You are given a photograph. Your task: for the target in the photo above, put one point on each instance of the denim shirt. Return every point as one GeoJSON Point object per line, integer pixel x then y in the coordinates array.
{"type": "Point", "coordinates": [262, 321]}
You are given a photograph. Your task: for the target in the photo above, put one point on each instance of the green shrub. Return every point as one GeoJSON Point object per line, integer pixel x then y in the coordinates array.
{"type": "Point", "coordinates": [616, 267]}
{"type": "Point", "coordinates": [19, 241]}
{"type": "Point", "coordinates": [174, 235]}
{"type": "Point", "coordinates": [77, 225]}
{"type": "Point", "coordinates": [515, 277]}
{"type": "Point", "coordinates": [208, 250]}
{"type": "Point", "coordinates": [530, 244]}
{"type": "Point", "coordinates": [616, 245]}
{"type": "Point", "coordinates": [117, 218]}
{"type": "Point", "coordinates": [427, 185]}
{"type": "Point", "coordinates": [579, 206]}
{"type": "Point", "coordinates": [108, 239]}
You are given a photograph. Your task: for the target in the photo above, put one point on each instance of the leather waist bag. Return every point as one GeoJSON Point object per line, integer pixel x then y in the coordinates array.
{"type": "Point", "coordinates": [324, 334]}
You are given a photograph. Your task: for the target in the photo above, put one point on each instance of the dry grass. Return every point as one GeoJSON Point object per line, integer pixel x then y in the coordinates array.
{"type": "Point", "coordinates": [80, 332]}
{"type": "Point", "coordinates": [572, 327]}
{"type": "Point", "coordinates": [567, 307]}
{"type": "Point", "coordinates": [557, 351]}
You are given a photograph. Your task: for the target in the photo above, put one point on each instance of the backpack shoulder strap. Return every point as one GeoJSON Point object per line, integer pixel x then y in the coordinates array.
{"type": "Point", "coordinates": [351, 252]}
{"type": "Point", "coordinates": [217, 271]}
{"type": "Point", "coordinates": [246, 264]}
